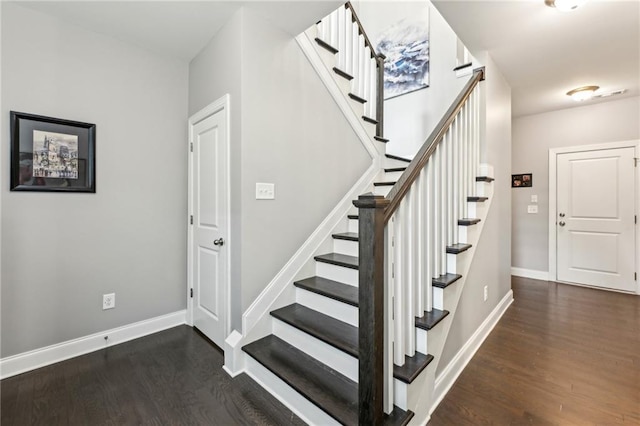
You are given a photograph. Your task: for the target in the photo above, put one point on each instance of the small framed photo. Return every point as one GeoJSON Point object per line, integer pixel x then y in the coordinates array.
{"type": "Point", "coordinates": [52, 154]}
{"type": "Point", "coordinates": [524, 180]}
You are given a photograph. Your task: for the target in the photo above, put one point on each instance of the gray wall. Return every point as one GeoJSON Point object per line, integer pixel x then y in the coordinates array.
{"type": "Point", "coordinates": [61, 252]}
{"type": "Point", "coordinates": [289, 132]}
{"type": "Point", "coordinates": [492, 260]}
{"type": "Point", "coordinates": [533, 136]}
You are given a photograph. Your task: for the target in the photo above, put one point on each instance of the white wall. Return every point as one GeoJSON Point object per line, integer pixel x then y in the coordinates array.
{"type": "Point", "coordinates": [533, 136]}
{"type": "Point", "coordinates": [410, 118]}
{"type": "Point", "coordinates": [492, 260]}
{"type": "Point", "coordinates": [290, 132]}
{"type": "Point", "coordinates": [61, 252]}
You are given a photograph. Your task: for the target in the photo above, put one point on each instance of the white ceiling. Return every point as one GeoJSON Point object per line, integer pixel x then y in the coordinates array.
{"type": "Point", "coordinates": [543, 53]}
{"type": "Point", "coordinates": [179, 29]}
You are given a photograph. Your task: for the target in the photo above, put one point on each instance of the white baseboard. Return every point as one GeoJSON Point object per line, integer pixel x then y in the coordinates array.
{"type": "Point", "coordinates": [27, 361]}
{"type": "Point", "coordinates": [530, 273]}
{"type": "Point", "coordinates": [447, 378]}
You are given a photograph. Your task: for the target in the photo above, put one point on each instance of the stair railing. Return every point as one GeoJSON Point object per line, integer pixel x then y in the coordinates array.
{"type": "Point", "coordinates": [410, 229]}
{"type": "Point", "coordinates": [357, 59]}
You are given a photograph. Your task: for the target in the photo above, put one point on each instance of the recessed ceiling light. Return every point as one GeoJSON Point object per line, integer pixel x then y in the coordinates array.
{"type": "Point", "coordinates": [582, 93]}
{"type": "Point", "coordinates": [565, 5]}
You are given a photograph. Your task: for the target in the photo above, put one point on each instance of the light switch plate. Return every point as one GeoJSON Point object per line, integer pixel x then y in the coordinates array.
{"type": "Point", "coordinates": [532, 208]}
{"type": "Point", "coordinates": [534, 198]}
{"type": "Point", "coordinates": [265, 191]}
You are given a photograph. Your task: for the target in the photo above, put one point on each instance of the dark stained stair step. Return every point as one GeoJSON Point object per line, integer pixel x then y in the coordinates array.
{"type": "Point", "coordinates": [326, 45]}
{"type": "Point", "coordinates": [335, 290]}
{"type": "Point", "coordinates": [467, 221]}
{"type": "Point", "coordinates": [413, 366]}
{"type": "Point", "coordinates": [357, 98]}
{"type": "Point", "coordinates": [395, 157]}
{"type": "Point", "coordinates": [381, 139]}
{"type": "Point", "coordinates": [395, 169]}
{"type": "Point", "coordinates": [384, 183]}
{"type": "Point", "coordinates": [349, 236]}
{"type": "Point", "coordinates": [430, 319]}
{"type": "Point", "coordinates": [353, 216]}
{"type": "Point", "coordinates": [484, 179]}
{"type": "Point", "coordinates": [342, 73]}
{"type": "Point", "coordinates": [445, 280]}
{"type": "Point", "coordinates": [458, 248]}
{"type": "Point", "coordinates": [369, 119]}
{"type": "Point", "coordinates": [339, 260]}
{"type": "Point", "coordinates": [338, 334]}
{"type": "Point", "coordinates": [477, 199]}
{"type": "Point", "coordinates": [326, 388]}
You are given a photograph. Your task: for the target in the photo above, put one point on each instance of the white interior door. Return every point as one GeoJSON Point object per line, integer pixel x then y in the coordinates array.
{"type": "Point", "coordinates": [209, 188]}
{"type": "Point", "coordinates": [595, 218]}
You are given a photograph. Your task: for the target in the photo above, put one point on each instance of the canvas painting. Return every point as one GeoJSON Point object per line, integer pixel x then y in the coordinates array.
{"type": "Point", "coordinates": [406, 47]}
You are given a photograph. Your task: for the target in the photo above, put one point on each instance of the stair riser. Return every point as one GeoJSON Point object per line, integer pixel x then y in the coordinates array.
{"type": "Point", "coordinates": [340, 361]}
{"type": "Point", "coordinates": [421, 341]}
{"type": "Point", "coordinates": [284, 393]}
{"type": "Point", "coordinates": [345, 247]}
{"type": "Point", "coordinates": [382, 190]}
{"type": "Point", "coordinates": [353, 225]}
{"type": "Point", "coordinates": [389, 163]}
{"type": "Point", "coordinates": [337, 273]}
{"type": "Point", "coordinates": [438, 298]}
{"type": "Point", "coordinates": [468, 234]}
{"type": "Point", "coordinates": [333, 308]}
{"type": "Point", "coordinates": [391, 176]}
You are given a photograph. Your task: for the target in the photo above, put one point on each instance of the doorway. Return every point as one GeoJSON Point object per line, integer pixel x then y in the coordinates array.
{"type": "Point", "coordinates": [593, 214]}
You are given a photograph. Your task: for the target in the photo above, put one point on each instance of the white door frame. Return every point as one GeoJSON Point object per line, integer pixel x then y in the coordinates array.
{"type": "Point", "coordinates": [221, 104]}
{"type": "Point", "coordinates": [553, 154]}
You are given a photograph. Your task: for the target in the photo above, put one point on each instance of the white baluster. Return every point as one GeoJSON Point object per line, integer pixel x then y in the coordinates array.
{"type": "Point", "coordinates": [398, 294]}
{"type": "Point", "coordinates": [373, 89]}
{"type": "Point", "coordinates": [389, 324]}
{"type": "Point", "coordinates": [456, 178]}
{"type": "Point", "coordinates": [348, 42]}
{"type": "Point", "coordinates": [442, 203]}
{"type": "Point", "coordinates": [436, 214]}
{"type": "Point", "coordinates": [355, 48]}
{"type": "Point", "coordinates": [465, 161]}
{"type": "Point", "coordinates": [365, 80]}
{"type": "Point", "coordinates": [341, 58]}
{"type": "Point", "coordinates": [334, 28]}
{"type": "Point", "coordinates": [471, 171]}
{"type": "Point", "coordinates": [362, 52]}
{"type": "Point", "coordinates": [476, 131]}
{"type": "Point", "coordinates": [420, 234]}
{"type": "Point", "coordinates": [408, 278]}
{"type": "Point", "coordinates": [429, 236]}
{"type": "Point", "coordinates": [450, 195]}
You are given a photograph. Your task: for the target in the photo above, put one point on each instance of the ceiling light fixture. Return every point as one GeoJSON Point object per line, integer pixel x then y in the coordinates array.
{"type": "Point", "coordinates": [564, 5]}
{"type": "Point", "coordinates": [582, 93]}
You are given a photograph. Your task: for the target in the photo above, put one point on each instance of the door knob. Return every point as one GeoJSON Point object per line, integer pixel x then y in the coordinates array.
{"type": "Point", "coordinates": [561, 215]}
{"type": "Point", "coordinates": [562, 223]}
{"type": "Point", "coordinates": [218, 242]}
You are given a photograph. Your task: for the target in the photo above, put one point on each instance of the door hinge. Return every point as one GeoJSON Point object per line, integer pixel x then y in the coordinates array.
{"type": "Point", "coordinates": [191, 146]}
{"type": "Point", "coordinates": [635, 276]}
{"type": "Point", "coordinates": [635, 219]}
{"type": "Point", "coordinates": [635, 161]}
{"type": "Point", "coordinates": [191, 293]}
{"type": "Point", "coordinates": [191, 220]}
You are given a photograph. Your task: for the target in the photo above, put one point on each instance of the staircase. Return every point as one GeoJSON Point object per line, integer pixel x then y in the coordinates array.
{"type": "Point", "coordinates": [317, 360]}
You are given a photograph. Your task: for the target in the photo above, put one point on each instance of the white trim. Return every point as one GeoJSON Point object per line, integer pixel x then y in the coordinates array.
{"type": "Point", "coordinates": [221, 104]}
{"type": "Point", "coordinates": [553, 153]}
{"type": "Point", "coordinates": [27, 361]}
{"type": "Point", "coordinates": [447, 378]}
{"type": "Point", "coordinates": [341, 99]}
{"type": "Point", "coordinates": [530, 273]}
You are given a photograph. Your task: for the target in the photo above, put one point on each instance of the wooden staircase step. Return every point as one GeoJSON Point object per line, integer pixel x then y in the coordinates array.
{"type": "Point", "coordinates": [395, 157]}
{"type": "Point", "coordinates": [475, 199]}
{"type": "Point", "coordinates": [353, 216]}
{"type": "Point", "coordinates": [445, 280]}
{"type": "Point", "coordinates": [339, 260]}
{"type": "Point", "coordinates": [384, 183]}
{"type": "Point", "coordinates": [430, 319]}
{"type": "Point", "coordinates": [324, 387]}
{"type": "Point", "coordinates": [341, 336]}
{"type": "Point", "coordinates": [369, 119]}
{"type": "Point", "coordinates": [381, 139]}
{"type": "Point", "coordinates": [413, 366]}
{"type": "Point", "coordinates": [342, 74]}
{"type": "Point", "coordinates": [349, 236]}
{"type": "Point", "coordinates": [395, 169]}
{"type": "Point", "coordinates": [357, 98]}
{"type": "Point", "coordinates": [335, 290]}
{"type": "Point", "coordinates": [458, 248]}
{"type": "Point", "coordinates": [468, 221]}
{"type": "Point", "coordinates": [484, 179]}
{"type": "Point", "coordinates": [326, 45]}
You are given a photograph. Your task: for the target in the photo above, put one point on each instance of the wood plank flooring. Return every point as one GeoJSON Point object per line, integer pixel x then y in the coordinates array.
{"type": "Point", "coordinates": [174, 377]}
{"type": "Point", "coordinates": [561, 355]}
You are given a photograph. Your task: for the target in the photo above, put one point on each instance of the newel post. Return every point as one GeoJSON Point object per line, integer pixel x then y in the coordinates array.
{"type": "Point", "coordinates": [371, 308]}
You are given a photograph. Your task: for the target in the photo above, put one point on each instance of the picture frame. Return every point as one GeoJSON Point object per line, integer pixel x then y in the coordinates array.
{"type": "Point", "coordinates": [523, 180]}
{"type": "Point", "coordinates": [52, 154]}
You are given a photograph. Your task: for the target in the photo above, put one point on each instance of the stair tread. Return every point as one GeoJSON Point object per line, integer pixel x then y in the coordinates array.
{"type": "Point", "coordinates": [458, 248]}
{"type": "Point", "coordinates": [349, 236]}
{"type": "Point", "coordinates": [477, 199]}
{"type": "Point", "coordinates": [339, 259]}
{"type": "Point", "coordinates": [353, 216]}
{"type": "Point", "coordinates": [384, 183]}
{"type": "Point", "coordinates": [395, 169]}
{"type": "Point", "coordinates": [468, 221]}
{"type": "Point", "coordinates": [341, 292]}
{"type": "Point", "coordinates": [430, 319]}
{"type": "Point", "coordinates": [413, 366]}
{"type": "Point", "coordinates": [341, 336]}
{"type": "Point", "coordinates": [484, 179]}
{"type": "Point", "coordinates": [342, 73]}
{"type": "Point", "coordinates": [369, 119]}
{"type": "Point", "coordinates": [445, 280]}
{"type": "Point", "coordinates": [357, 98]}
{"type": "Point", "coordinates": [326, 45]}
{"type": "Point", "coordinates": [395, 157]}
{"type": "Point", "coordinates": [320, 384]}
{"type": "Point", "coordinates": [381, 139]}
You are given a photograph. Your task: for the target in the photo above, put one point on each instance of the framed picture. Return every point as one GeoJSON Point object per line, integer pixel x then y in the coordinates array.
{"type": "Point", "coordinates": [406, 47]}
{"type": "Point", "coordinates": [524, 180]}
{"type": "Point", "coordinates": [52, 154]}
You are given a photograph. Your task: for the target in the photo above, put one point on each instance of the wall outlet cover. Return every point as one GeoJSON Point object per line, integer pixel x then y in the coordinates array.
{"type": "Point", "coordinates": [108, 301]}
{"type": "Point", "coordinates": [532, 208]}
{"type": "Point", "coordinates": [265, 191]}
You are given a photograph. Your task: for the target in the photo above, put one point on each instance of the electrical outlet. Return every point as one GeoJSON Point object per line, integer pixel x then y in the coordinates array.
{"type": "Point", "coordinates": [108, 301]}
{"type": "Point", "coordinates": [486, 292]}
{"type": "Point", "coordinates": [532, 208]}
{"type": "Point", "coordinates": [265, 191]}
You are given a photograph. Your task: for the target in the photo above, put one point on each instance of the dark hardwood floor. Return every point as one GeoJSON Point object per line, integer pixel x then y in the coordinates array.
{"type": "Point", "coordinates": [561, 355]}
{"type": "Point", "coordinates": [174, 377]}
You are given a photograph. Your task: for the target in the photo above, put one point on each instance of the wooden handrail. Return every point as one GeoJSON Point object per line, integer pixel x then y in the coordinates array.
{"type": "Point", "coordinates": [410, 175]}
{"type": "Point", "coordinates": [355, 18]}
